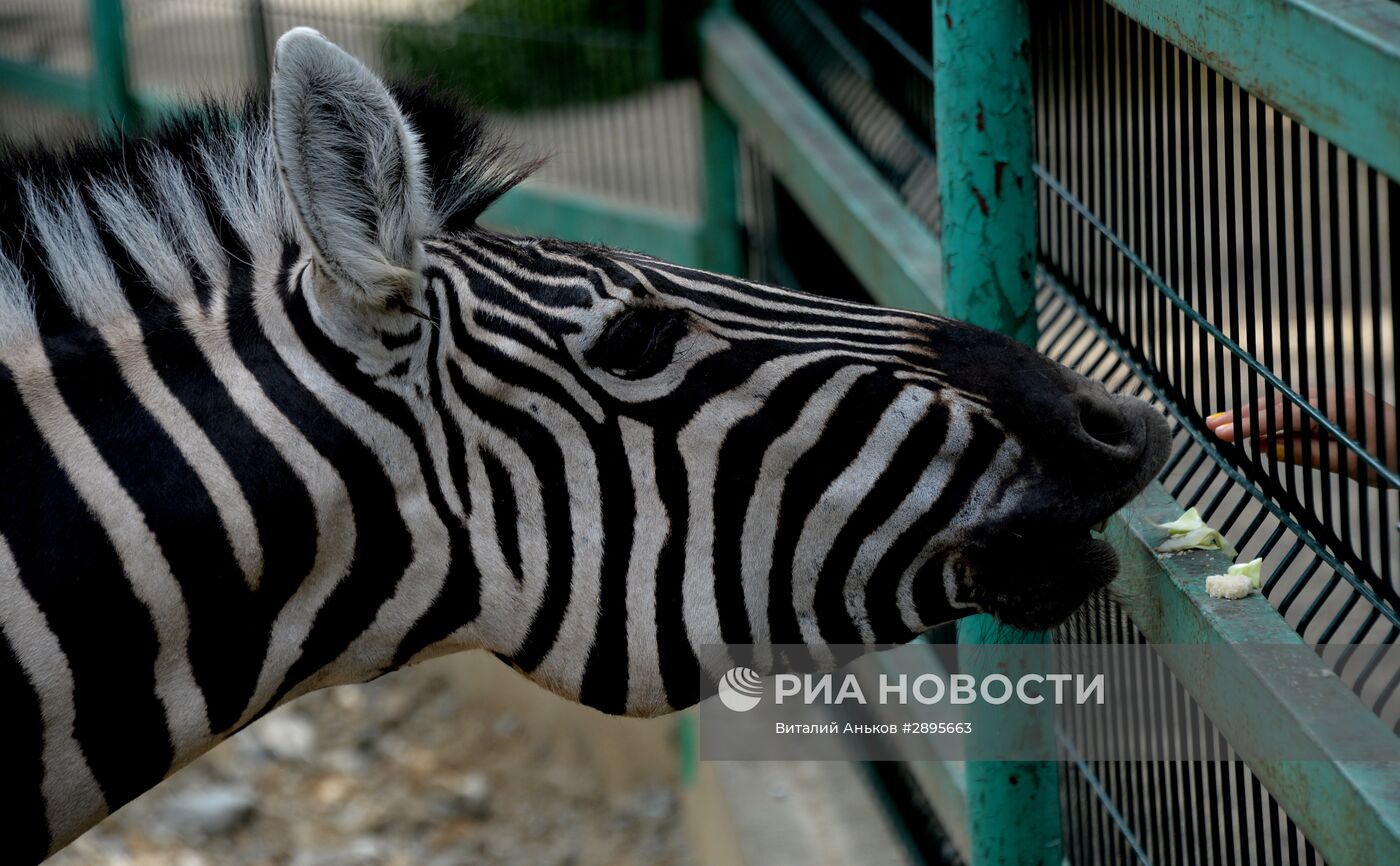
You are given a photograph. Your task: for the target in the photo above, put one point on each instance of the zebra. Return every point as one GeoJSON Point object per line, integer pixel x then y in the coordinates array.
{"type": "Point", "coordinates": [278, 414]}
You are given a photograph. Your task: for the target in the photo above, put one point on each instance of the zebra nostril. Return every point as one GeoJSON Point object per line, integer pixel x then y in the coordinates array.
{"type": "Point", "coordinates": [1105, 423]}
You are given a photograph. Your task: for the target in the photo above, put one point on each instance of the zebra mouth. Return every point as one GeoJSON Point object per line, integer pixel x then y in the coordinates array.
{"type": "Point", "coordinates": [1037, 582]}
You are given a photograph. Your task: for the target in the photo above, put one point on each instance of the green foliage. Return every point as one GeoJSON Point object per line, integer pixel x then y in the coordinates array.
{"type": "Point", "coordinates": [517, 55]}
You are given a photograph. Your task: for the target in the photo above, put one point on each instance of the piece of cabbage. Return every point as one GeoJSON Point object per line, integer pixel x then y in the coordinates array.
{"type": "Point", "coordinates": [1248, 569]}
{"type": "Point", "coordinates": [1190, 532]}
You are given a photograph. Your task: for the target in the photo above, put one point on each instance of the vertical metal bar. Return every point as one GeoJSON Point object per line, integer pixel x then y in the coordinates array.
{"type": "Point", "coordinates": [112, 105]}
{"type": "Point", "coordinates": [1378, 368]}
{"type": "Point", "coordinates": [258, 36]}
{"type": "Point", "coordinates": [719, 237]}
{"type": "Point", "coordinates": [983, 119]}
{"type": "Point", "coordinates": [984, 122]}
{"type": "Point", "coordinates": [1266, 286]}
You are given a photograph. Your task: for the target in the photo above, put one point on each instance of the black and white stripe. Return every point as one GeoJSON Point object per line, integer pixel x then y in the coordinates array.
{"type": "Point", "coordinates": [278, 415]}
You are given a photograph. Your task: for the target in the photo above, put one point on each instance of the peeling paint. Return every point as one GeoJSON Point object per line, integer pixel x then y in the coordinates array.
{"type": "Point", "coordinates": [981, 202]}
{"type": "Point", "coordinates": [984, 120]}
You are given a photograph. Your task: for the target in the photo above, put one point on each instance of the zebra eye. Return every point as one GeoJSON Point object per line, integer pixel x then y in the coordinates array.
{"type": "Point", "coordinates": [638, 342]}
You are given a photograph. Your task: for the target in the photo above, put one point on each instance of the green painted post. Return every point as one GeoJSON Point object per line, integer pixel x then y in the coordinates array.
{"type": "Point", "coordinates": [984, 121]}
{"type": "Point", "coordinates": [1013, 807]}
{"type": "Point", "coordinates": [112, 105]}
{"type": "Point", "coordinates": [719, 234]}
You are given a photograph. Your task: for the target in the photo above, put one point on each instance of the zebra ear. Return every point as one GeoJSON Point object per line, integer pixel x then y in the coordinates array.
{"type": "Point", "coordinates": [351, 166]}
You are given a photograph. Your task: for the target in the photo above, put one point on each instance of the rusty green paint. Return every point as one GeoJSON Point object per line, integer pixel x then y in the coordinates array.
{"type": "Point", "coordinates": [890, 252]}
{"type": "Point", "coordinates": [1332, 64]}
{"type": "Point", "coordinates": [1348, 809]}
{"type": "Point", "coordinates": [1013, 807]}
{"type": "Point", "coordinates": [984, 121]}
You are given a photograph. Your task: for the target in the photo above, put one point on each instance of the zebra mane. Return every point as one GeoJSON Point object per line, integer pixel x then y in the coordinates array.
{"type": "Point", "coordinates": [162, 195]}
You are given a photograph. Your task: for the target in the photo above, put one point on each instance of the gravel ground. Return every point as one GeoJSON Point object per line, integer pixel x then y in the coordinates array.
{"type": "Point", "coordinates": [453, 763]}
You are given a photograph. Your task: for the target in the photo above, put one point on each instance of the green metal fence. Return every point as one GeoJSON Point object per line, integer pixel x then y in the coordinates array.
{"type": "Point", "coordinates": [1195, 202]}
{"type": "Point", "coordinates": [1151, 266]}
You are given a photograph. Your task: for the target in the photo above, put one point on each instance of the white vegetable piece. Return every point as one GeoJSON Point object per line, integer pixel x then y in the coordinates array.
{"type": "Point", "coordinates": [1248, 569]}
{"type": "Point", "coordinates": [1228, 585]}
{"type": "Point", "coordinates": [1190, 532]}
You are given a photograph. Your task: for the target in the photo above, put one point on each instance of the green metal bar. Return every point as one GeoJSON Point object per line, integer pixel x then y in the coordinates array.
{"type": "Point", "coordinates": [687, 748]}
{"type": "Point", "coordinates": [1349, 810]}
{"type": "Point", "coordinates": [984, 122]}
{"type": "Point", "coordinates": [1013, 807]}
{"type": "Point", "coordinates": [722, 250]}
{"type": "Point", "coordinates": [112, 103]}
{"type": "Point", "coordinates": [1332, 64]}
{"type": "Point", "coordinates": [537, 210]}
{"type": "Point", "coordinates": [259, 37]}
{"type": "Point", "coordinates": [72, 92]}
{"type": "Point", "coordinates": [890, 252]}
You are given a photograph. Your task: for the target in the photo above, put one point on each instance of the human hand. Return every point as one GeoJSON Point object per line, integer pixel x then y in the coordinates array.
{"type": "Point", "coordinates": [1306, 437]}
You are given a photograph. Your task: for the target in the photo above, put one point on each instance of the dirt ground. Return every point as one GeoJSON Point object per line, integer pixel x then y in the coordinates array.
{"type": "Point", "coordinates": [457, 762]}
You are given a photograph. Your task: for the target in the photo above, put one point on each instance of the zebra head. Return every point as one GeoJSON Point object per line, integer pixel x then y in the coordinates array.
{"type": "Point", "coordinates": [650, 459]}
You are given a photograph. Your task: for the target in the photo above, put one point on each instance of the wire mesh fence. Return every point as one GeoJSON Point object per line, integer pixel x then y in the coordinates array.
{"type": "Point", "coordinates": [1177, 810]}
{"type": "Point", "coordinates": [585, 83]}
{"type": "Point", "coordinates": [1237, 258]}
{"type": "Point", "coordinates": [1204, 251]}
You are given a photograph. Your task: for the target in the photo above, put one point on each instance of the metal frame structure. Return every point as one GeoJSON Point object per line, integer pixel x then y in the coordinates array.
{"type": "Point", "coordinates": [1349, 811]}
{"type": "Point", "coordinates": [1331, 64]}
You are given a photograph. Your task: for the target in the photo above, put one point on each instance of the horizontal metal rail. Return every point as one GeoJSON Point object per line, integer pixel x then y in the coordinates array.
{"type": "Point", "coordinates": [62, 89]}
{"type": "Point", "coordinates": [888, 250]}
{"type": "Point", "coordinates": [1332, 64]}
{"type": "Point", "coordinates": [540, 210]}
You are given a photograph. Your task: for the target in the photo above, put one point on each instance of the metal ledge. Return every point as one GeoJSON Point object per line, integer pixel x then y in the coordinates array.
{"type": "Point", "coordinates": [1349, 810]}
{"type": "Point", "coordinates": [1332, 64]}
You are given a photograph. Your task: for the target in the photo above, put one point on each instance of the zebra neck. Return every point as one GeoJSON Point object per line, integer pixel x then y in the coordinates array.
{"type": "Point", "coordinates": [197, 523]}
